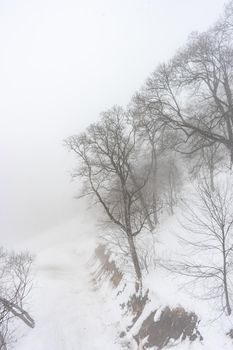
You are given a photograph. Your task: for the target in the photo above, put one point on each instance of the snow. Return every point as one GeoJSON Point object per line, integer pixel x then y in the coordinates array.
{"type": "Point", "coordinates": [69, 313]}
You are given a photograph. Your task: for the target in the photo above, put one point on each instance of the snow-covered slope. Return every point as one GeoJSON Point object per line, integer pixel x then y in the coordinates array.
{"type": "Point", "coordinates": [69, 313]}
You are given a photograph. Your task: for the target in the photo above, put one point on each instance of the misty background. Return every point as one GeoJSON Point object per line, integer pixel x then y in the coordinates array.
{"type": "Point", "coordinates": [61, 63]}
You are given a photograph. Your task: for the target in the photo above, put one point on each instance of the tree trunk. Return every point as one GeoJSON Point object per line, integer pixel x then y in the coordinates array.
{"type": "Point", "coordinates": [225, 284]}
{"type": "Point", "coordinates": [154, 183]}
{"type": "Point", "coordinates": [229, 117]}
{"type": "Point", "coordinates": [170, 194]}
{"type": "Point", "coordinates": [134, 257]}
{"type": "Point", "coordinates": [2, 342]}
{"type": "Point", "coordinates": [230, 135]}
{"type": "Point", "coordinates": [18, 311]}
{"type": "Point", "coordinates": [227, 296]}
{"type": "Point", "coordinates": [128, 231]}
{"type": "Point", "coordinates": [212, 178]}
{"type": "Point", "coordinates": [231, 157]}
{"type": "Point", "coordinates": [142, 201]}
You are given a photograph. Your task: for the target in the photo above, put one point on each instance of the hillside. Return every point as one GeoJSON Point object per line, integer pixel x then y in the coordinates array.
{"type": "Point", "coordinates": [71, 312]}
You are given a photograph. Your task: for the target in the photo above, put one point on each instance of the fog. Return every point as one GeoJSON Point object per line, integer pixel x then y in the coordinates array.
{"type": "Point", "coordinates": [61, 63]}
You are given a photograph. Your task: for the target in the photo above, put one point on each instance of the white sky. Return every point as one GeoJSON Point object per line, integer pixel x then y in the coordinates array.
{"type": "Point", "coordinates": [61, 63]}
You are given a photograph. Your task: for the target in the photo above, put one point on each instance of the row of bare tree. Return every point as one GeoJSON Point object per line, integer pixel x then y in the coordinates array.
{"type": "Point", "coordinates": [192, 93]}
{"type": "Point", "coordinates": [134, 162]}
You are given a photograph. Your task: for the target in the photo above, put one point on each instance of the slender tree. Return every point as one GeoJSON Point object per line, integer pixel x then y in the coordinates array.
{"type": "Point", "coordinates": [209, 242]}
{"type": "Point", "coordinates": [106, 154]}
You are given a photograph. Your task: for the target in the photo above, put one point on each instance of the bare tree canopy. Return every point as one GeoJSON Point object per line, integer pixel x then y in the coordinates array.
{"type": "Point", "coordinates": [192, 93]}
{"type": "Point", "coordinates": [14, 289]}
{"type": "Point", "coordinates": [208, 242]}
{"type": "Point", "coordinates": [107, 160]}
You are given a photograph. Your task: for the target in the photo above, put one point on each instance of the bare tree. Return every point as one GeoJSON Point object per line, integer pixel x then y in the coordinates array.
{"type": "Point", "coordinates": [107, 159]}
{"type": "Point", "coordinates": [157, 144]}
{"type": "Point", "coordinates": [142, 196]}
{"type": "Point", "coordinates": [209, 227]}
{"type": "Point", "coordinates": [207, 163]}
{"type": "Point", "coordinates": [169, 181]}
{"type": "Point", "coordinates": [148, 134]}
{"type": "Point", "coordinates": [14, 288]}
{"type": "Point", "coordinates": [193, 92]}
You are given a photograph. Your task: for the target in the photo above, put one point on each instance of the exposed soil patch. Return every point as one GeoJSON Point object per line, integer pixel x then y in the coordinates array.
{"type": "Point", "coordinates": [230, 333]}
{"type": "Point", "coordinates": [157, 330]}
{"type": "Point", "coordinates": [173, 324]}
{"type": "Point", "coordinates": [135, 306]}
{"type": "Point", "coordinates": [107, 269]}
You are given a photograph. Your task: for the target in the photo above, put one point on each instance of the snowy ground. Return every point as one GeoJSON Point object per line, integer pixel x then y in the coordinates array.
{"type": "Point", "coordinates": [69, 314]}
